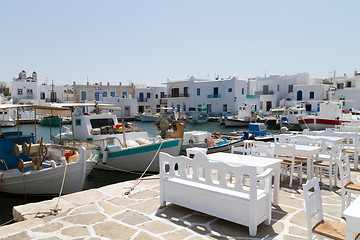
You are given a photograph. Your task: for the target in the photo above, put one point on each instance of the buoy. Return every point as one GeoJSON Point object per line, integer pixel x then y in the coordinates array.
{"type": "Point", "coordinates": [105, 155]}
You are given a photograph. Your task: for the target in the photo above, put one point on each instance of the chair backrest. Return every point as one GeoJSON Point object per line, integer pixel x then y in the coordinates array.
{"type": "Point", "coordinates": [313, 203]}
{"type": "Point", "coordinates": [285, 138]}
{"type": "Point", "coordinates": [262, 144]}
{"type": "Point", "coordinates": [240, 150]}
{"type": "Point", "coordinates": [285, 150]}
{"type": "Point", "coordinates": [304, 140]}
{"type": "Point", "coordinates": [344, 170]}
{"type": "Point", "coordinates": [262, 152]}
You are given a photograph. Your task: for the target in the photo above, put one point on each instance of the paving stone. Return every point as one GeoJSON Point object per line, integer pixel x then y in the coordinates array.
{"type": "Point", "coordinates": [145, 236]}
{"type": "Point", "coordinates": [288, 237]}
{"type": "Point", "coordinates": [174, 212]}
{"type": "Point", "coordinates": [144, 194]}
{"type": "Point", "coordinates": [86, 209]}
{"type": "Point", "coordinates": [50, 227]}
{"type": "Point", "coordinates": [178, 234]}
{"type": "Point", "coordinates": [113, 230]}
{"type": "Point", "coordinates": [200, 229]}
{"type": "Point", "coordinates": [117, 189]}
{"type": "Point", "coordinates": [294, 230]}
{"type": "Point", "coordinates": [157, 227]}
{"type": "Point", "coordinates": [148, 206]}
{"type": "Point", "coordinates": [198, 217]}
{"type": "Point", "coordinates": [122, 201]}
{"type": "Point", "coordinates": [53, 238]}
{"type": "Point", "coordinates": [19, 236]}
{"type": "Point", "coordinates": [85, 219]}
{"type": "Point", "coordinates": [84, 197]}
{"type": "Point", "coordinates": [132, 217]}
{"type": "Point", "coordinates": [109, 208]}
{"type": "Point", "coordinates": [77, 231]}
{"type": "Point", "coordinates": [16, 227]}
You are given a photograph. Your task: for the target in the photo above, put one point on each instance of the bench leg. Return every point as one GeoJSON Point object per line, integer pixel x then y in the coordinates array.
{"type": "Point", "coordinates": [252, 230]}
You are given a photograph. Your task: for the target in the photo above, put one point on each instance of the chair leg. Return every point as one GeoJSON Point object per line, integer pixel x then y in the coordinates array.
{"type": "Point", "coordinates": [291, 175]}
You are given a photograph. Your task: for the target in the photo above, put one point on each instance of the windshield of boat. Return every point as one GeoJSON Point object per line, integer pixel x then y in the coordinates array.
{"type": "Point", "coordinates": [101, 122]}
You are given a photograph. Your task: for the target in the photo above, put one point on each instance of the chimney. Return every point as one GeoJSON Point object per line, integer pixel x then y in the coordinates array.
{"type": "Point", "coordinates": [74, 83]}
{"type": "Point", "coordinates": [108, 83]}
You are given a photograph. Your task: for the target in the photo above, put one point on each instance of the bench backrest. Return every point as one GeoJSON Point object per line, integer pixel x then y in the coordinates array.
{"type": "Point", "coordinates": [219, 174]}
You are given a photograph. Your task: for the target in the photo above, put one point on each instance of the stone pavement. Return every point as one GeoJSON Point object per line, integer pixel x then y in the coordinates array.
{"type": "Point", "coordinates": [106, 213]}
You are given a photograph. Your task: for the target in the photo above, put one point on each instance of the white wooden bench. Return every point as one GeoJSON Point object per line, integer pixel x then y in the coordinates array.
{"type": "Point", "coordinates": [216, 188]}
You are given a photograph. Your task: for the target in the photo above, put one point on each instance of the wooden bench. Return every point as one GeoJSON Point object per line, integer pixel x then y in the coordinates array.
{"type": "Point", "coordinates": [216, 188]}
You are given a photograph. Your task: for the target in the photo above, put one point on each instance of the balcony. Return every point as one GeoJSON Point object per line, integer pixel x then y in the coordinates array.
{"type": "Point", "coordinates": [252, 96]}
{"type": "Point", "coordinates": [214, 96]}
{"type": "Point", "coordinates": [176, 95]}
{"type": "Point", "coordinates": [53, 100]}
{"type": "Point", "coordinates": [142, 99]}
{"type": "Point", "coordinates": [264, 93]}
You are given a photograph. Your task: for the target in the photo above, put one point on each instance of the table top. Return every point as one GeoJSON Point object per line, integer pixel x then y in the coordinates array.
{"type": "Point", "coordinates": [353, 210]}
{"type": "Point", "coordinates": [246, 160]}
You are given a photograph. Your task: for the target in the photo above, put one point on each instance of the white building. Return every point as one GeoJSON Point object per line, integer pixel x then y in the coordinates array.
{"type": "Point", "coordinates": [24, 89]}
{"type": "Point", "coordinates": [150, 97]}
{"type": "Point", "coordinates": [50, 94]}
{"type": "Point", "coordinates": [346, 89]}
{"type": "Point", "coordinates": [129, 106]}
{"type": "Point", "coordinates": [219, 95]}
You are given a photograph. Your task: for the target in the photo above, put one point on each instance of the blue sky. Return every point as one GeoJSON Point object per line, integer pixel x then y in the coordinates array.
{"type": "Point", "coordinates": [151, 40]}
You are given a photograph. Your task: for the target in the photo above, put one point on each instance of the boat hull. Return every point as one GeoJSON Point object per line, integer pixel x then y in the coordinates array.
{"type": "Point", "coordinates": [316, 124]}
{"type": "Point", "coordinates": [55, 122]}
{"type": "Point", "coordinates": [149, 118]}
{"type": "Point", "coordinates": [236, 122]}
{"type": "Point", "coordinates": [46, 181]}
{"type": "Point", "coordinates": [137, 159]}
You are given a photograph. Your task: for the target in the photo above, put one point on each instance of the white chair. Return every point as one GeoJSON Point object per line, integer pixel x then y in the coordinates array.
{"type": "Point", "coordinates": [323, 228]}
{"type": "Point", "coordinates": [347, 186]}
{"type": "Point", "coordinates": [286, 152]}
{"type": "Point", "coordinates": [240, 150]}
{"type": "Point", "coordinates": [352, 148]}
{"type": "Point", "coordinates": [262, 152]}
{"type": "Point", "coordinates": [304, 140]}
{"type": "Point", "coordinates": [327, 165]}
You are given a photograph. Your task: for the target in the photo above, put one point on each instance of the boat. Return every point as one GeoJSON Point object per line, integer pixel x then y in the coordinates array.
{"type": "Point", "coordinates": [197, 115]}
{"type": "Point", "coordinates": [119, 149]}
{"type": "Point", "coordinates": [148, 116]}
{"type": "Point", "coordinates": [330, 115]}
{"type": "Point", "coordinates": [242, 119]}
{"type": "Point", "coordinates": [37, 168]}
{"type": "Point", "coordinates": [6, 120]}
{"type": "Point", "coordinates": [290, 118]}
{"type": "Point", "coordinates": [53, 121]}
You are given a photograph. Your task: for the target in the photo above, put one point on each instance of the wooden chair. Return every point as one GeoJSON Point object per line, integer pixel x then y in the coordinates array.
{"type": "Point", "coordinates": [262, 152]}
{"type": "Point", "coordinates": [286, 152]}
{"type": "Point", "coordinates": [323, 228]}
{"type": "Point", "coordinates": [347, 186]}
{"type": "Point", "coordinates": [327, 167]}
{"type": "Point", "coordinates": [240, 150]}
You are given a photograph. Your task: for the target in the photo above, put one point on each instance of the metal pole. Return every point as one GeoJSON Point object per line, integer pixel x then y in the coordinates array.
{"type": "Point", "coordinates": [35, 122]}
{"type": "Point", "coordinates": [17, 115]}
{"type": "Point", "coordinates": [123, 126]}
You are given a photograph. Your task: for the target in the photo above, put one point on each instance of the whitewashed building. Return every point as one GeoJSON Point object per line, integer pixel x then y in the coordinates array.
{"type": "Point", "coordinates": [219, 95]}
{"type": "Point", "coordinates": [150, 97]}
{"type": "Point", "coordinates": [50, 94]}
{"type": "Point", "coordinates": [24, 89]}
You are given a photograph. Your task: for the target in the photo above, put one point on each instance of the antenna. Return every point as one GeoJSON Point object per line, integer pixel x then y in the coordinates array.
{"type": "Point", "coordinates": [265, 73]}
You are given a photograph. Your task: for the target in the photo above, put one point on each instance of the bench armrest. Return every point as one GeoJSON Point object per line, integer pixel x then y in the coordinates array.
{"type": "Point", "coordinates": [267, 173]}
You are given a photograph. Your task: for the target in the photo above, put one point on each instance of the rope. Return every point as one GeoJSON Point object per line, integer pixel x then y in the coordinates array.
{"type": "Point", "coordinates": [5, 223]}
{"type": "Point", "coordinates": [140, 179]}
{"type": "Point", "coordinates": [123, 170]}
{"type": "Point", "coordinates": [56, 210]}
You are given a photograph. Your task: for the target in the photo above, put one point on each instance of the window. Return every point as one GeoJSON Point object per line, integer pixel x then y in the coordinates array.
{"type": "Point", "coordinates": [148, 95]}
{"type": "Point", "coordinates": [83, 95]}
{"type": "Point", "coordinates": [97, 96]}
{"type": "Point", "coordinates": [29, 92]}
{"type": "Point", "coordinates": [242, 91]}
{"type": "Point", "coordinates": [104, 94]}
{"type": "Point", "coordinates": [265, 89]}
{"type": "Point", "coordinates": [311, 95]}
{"type": "Point", "coordinates": [42, 95]}
{"type": "Point", "coordinates": [112, 94]}
{"type": "Point", "coordinates": [198, 91]}
{"type": "Point", "coordinates": [186, 91]}
{"type": "Point", "coordinates": [225, 108]}
{"type": "Point", "coordinates": [162, 94]}
{"type": "Point", "coordinates": [299, 95]}
{"type": "Point", "coordinates": [156, 95]}
{"type": "Point", "coordinates": [77, 122]}
{"type": "Point", "coordinates": [184, 107]}
{"type": "Point", "coordinates": [348, 84]}
{"type": "Point", "coordinates": [230, 90]}
{"type": "Point", "coordinates": [291, 88]}
{"type": "Point", "coordinates": [124, 94]}
{"type": "Point", "coordinates": [278, 87]}
{"type": "Point", "coordinates": [20, 92]}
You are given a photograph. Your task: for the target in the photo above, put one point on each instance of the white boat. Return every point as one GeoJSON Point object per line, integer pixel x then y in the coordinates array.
{"type": "Point", "coordinates": [329, 116]}
{"type": "Point", "coordinates": [198, 115]}
{"type": "Point", "coordinates": [242, 119]}
{"type": "Point", "coordinates": [148, 116]}
{"type": "Point", "coordinates": [6, 120]}
{"type": "Point", "coordinates": [41, 169]}
{"type": "Point", "coordinates": [129, 151]}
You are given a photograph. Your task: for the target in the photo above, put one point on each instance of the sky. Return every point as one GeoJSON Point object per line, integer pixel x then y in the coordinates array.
{"type": "Point", "coordinates": [148, 41]}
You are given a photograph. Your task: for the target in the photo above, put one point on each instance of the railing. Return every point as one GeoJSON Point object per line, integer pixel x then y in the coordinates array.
{"type": "Point", "coordinates": [176, 95]}
{"type": "Point", "coordinates": [214, 96]}
{"type": "Point", "coordinates": [264, 93]}
{"type": "Point", "coordinates": [53, 100]}
{"type": "Point", "coordinates": [142, 99]}
{"type": "Point", "coordinates": [252, 96]}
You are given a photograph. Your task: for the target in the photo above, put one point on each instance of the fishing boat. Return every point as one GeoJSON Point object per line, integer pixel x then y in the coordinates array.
{"type": "Point", "coordinates": [149, 116]}
{"type": "Point", "coordinates": [242, 119]}
{"type": "Point", "coordinates": [198, 115]}
{"type": "Point", "coordinates": [6, 120]}
{"type": "Point", "coordinates": [54, 121]}
{"type": "Point", "coordinates": [119, 149]}
{"type": "Point", "coordinates": [330, 115]}
{"type": "Point", "coordinates": [36, 168]}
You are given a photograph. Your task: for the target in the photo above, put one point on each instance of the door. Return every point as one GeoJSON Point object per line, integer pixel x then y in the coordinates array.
{"type": "Point", "coordinates": [127, 111]}
{"type": "Point", "coordinates": [268, 105]}
{"type": "Point", "coordinates": [216, 91]}
{"type": "Point", "coordinates": [141, 97]}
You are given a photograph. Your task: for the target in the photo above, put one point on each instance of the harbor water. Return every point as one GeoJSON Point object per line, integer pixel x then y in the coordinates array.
{"type": "Point", "coordinates": [97, 178]}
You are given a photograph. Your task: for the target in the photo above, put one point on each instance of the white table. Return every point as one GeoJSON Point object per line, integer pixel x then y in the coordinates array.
{"type": "Point", "coordinates": [311, 153]}
{"type": "Point", "coordinates": [352, 215]}
{"type": "Point", "coordinates": [261, 164]}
